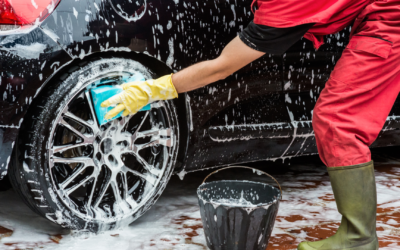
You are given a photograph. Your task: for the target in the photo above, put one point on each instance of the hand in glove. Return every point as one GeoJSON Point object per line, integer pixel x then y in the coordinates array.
{"type": "Point", "coordinates": [136, 95]}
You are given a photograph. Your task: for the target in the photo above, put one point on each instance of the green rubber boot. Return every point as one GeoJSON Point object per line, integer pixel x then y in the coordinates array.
{"type": "Point", "coordinates": [355, 194]}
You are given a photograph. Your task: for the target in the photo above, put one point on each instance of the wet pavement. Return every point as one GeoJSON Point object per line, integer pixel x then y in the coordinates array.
{"type": "Point", "coordinates": [307, 212]}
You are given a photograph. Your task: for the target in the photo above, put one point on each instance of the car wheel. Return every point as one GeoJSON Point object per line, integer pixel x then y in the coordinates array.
{"type": "Point", "coordinates": [89, 177]}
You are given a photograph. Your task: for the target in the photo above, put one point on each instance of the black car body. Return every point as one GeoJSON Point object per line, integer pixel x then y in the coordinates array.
{"type": "Point", "coordinates": [263, 111]}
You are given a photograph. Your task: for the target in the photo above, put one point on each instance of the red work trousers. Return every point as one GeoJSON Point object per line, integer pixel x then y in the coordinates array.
{"type": "Point", "coordinates": [362, 89]}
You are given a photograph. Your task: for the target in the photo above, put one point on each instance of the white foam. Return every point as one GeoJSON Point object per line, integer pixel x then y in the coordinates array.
{"type": "Point", "coordinates": [232, 202]}
{"type": "Point", "coordinates": [31, 51]}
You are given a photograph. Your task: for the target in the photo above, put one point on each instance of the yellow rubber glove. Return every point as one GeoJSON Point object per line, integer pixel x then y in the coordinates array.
{"type": "Point", "coordinates": [136, 95]}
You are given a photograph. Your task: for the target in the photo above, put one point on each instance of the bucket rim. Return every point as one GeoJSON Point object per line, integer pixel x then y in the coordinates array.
{"type": "Point", "coordinates": [245, 167]}
{"type": "Point", "coordinates": [275, 201]}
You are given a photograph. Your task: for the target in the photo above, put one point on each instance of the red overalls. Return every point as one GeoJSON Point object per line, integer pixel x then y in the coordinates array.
{"type": "Point", "coordinates": [361, 91]}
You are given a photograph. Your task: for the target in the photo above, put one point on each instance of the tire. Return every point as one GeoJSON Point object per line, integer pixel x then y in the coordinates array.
{"type": "Point", "coordinates": [87, 177]}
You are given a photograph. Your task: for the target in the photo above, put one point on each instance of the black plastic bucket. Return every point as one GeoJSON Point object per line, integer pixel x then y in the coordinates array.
{"type": "Point", "coordinates": [238, 215]}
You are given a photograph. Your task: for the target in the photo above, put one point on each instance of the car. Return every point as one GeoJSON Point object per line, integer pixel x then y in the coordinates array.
{"type": "Point", "coordinates": [90, 177]}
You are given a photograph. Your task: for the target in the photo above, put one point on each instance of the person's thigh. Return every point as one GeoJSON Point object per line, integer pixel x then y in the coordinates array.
{"type": "Point", "coordinates": [359, 95]}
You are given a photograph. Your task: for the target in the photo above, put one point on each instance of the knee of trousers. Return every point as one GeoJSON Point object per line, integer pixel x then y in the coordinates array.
{"type": "Point", "coordinates": [337, 145]}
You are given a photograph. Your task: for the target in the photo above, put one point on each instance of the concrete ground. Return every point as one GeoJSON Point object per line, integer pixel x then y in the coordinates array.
{"type": "Point", "coordinates": [307, 212]}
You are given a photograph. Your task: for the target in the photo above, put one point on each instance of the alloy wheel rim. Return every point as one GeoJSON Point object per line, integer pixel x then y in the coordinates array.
{"type": "Point", "coordinates": [98, 163]}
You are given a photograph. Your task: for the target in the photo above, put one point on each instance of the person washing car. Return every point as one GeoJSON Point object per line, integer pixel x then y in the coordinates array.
{"type": "Point", "coordinates": [350, 111]}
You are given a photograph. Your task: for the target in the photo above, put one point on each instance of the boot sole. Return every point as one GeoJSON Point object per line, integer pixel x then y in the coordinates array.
{"type": "Point", "coordinates": [373, 245]}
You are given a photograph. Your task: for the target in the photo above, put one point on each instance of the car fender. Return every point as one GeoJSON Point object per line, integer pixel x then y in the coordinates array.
{"type": "Point", "coordinates": [29, 58]}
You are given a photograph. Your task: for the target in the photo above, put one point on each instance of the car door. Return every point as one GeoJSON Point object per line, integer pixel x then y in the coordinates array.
{"type": "Point", "coordinates": [241, 118]}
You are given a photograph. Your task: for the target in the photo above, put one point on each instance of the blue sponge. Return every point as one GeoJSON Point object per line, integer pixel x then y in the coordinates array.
{"type": "Point", "coordinates": [102, 93]}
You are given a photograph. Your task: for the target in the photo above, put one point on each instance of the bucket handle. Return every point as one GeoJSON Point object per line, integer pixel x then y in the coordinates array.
{"type": "Point", "coordinates": [254, 169]}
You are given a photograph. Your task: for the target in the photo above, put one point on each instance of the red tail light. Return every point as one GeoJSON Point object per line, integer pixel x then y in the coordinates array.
{"type": "Point", "coordinates": [22, 12]}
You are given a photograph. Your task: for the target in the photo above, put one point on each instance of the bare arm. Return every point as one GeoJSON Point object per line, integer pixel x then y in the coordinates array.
{"type": "Point", "coordinates": [235, 56]}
